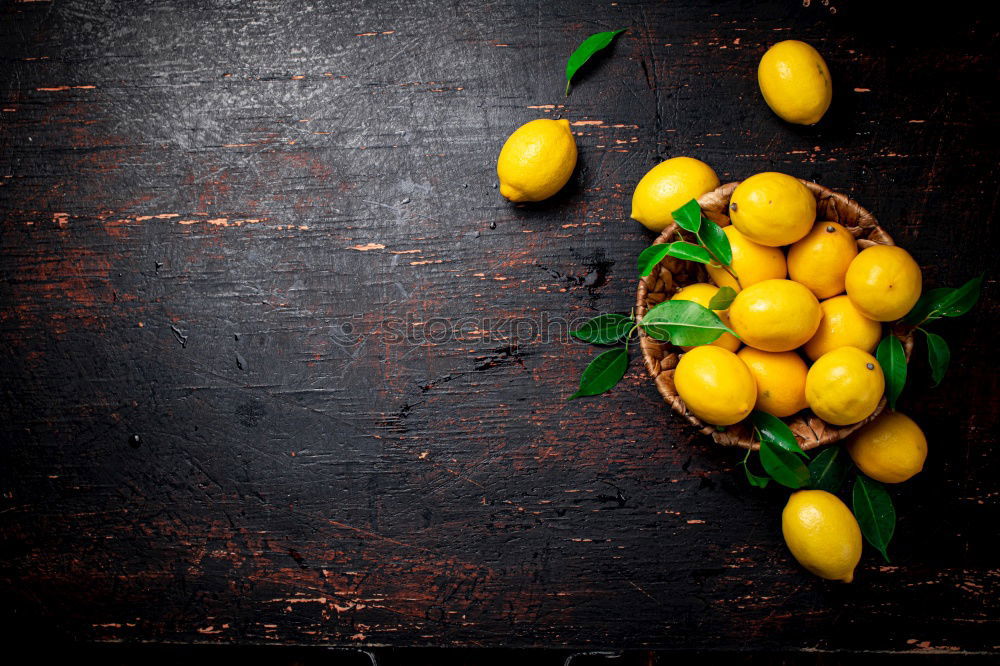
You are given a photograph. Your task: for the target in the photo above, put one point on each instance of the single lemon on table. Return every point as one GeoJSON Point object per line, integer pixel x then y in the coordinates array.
{"type": "Point", "coordinates": [775, 315]}
{"type": "Point", "coordinates": [752, 262]}
{"type": "Point", "coordinates": [780, 379]}
{"type": "Point", "coordinates": [668, 186]}
{"type": "Point", "coordinates": [884, 282]}
{"type": "Point", "coordinates": [772, 209]}
{"type": "Point", "coordinates": [715, 385]}
{"type": "Point", "coordinates": [795, 82]}
{"type": "Point", "coordinates": [822, 534]}
{"type": "Point", "coordinates": [821, 258]}
{"type": "Point", "coordinates": [844, 386]}
{"type": "Point", "coordinates": [537, 160]}
{"type": "Point", "coordinates": [702, 293]}
{"type": "Point", "coordinates": [842, 325]}
{"type": "Point", "coordinates": [890, 449]}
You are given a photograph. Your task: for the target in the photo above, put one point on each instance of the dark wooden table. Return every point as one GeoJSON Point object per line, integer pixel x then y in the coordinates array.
{"type": "Point", "coordinates": [280, 365]}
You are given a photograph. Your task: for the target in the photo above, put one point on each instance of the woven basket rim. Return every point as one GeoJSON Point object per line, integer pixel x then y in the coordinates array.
{"type": "Point", "coordinates": [809, 429]}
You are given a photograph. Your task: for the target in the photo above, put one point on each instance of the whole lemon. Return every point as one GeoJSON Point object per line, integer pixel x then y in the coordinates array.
{"type": "Point", "coordinates": [668, 186]}
{"type": "Point", "coordinates": [842, 326]}
{"type": "Point", "coordinates": [884, 282]}
{"type": "Point", "coordinates": [795, 82]}
{"type": "Point", "coordinates": [536, 160]}
{"type": "Point", "coordinates": [715, 385]}
{"type": "Point", "coordinates": [775, 315]}
{"type": "Point", "coordinates": [822, 534]}
{"type": "Point", "coordinates": [752, 262]}
{"type": "Point", "coordinates": [702, 293]}
{"type": "Point", "coordinates": [844, 386]}
{"type": "Point", "coordinates": [772, 209]}
{"type": "Point", "coordinates": [780, 378]}
{"type": "Point", "coordinates": [890, 449]}
{"type": "Point", "coordinates": [820, 259]}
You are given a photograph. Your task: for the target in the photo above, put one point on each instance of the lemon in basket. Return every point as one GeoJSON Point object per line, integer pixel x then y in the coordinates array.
{"type": "Point", "coordinates": [844, 386]}
{"type": "Point", "coordinates": [842, 325]}
{"type": "Point", "coordinates": [775, 315]}
{"type": "Point", "coordinates": [780, 379]}
{"type": "Point", "coordinates": [884, 282]}
{"type": "Point", "coordinates": [716, 385]}
{"type": "Point", "coordinates": [668, 186]}
{"type": "Point", "coordinates": [772, 209]}
{"type": "Point", "coordinates": [820, 259]}
{"type": "Point", "coordinates": [702, 293]}
{"type": "Point", "coordinates": [752, 262]}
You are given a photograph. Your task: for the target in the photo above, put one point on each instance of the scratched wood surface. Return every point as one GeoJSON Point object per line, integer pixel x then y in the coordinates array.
{"type": "Point", "coordinates": [280, 365]}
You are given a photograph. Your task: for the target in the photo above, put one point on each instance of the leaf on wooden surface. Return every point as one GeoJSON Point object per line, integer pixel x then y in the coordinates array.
{"type": "Point", "coordinates": [938, 356]}
{"type": "Point", "coordinates": [605, 329]}
{"type": "Point", "coordinates": [586, 50]}
{"type": "Point", "coordinates": [603, 372]}
{"type": "Point", "coordinates": [829, 469]}
{"type": "Point", "coordinates": [875, 513]}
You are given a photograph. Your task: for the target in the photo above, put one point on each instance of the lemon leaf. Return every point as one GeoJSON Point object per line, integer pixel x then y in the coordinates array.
{"type": "Point", "coordinates": [892, 358]}
{"type": "Point", "coordinates": [605, 329]}
{"type": "Point", "coordinates": [945, 302]}
{"type": "Point", "coordinates": [829, 469]}
{"type": "Point", "coordinates": [776, 431]}
{"type": "Point", "coordinates": [585, 50]}
{"type": "Point", "coordinates": [876, 515]}
{"type": "Point", "coordinates": [651, 256]}
{"type": "Point", "coordinates": [783, 466]}
{"type": "Point", "coordinates": [688, 216]}
{"type": "Point", "coordinates": [722, 299]}
{"type": "Point", "coordinates": [753, 479]}
{"type": "Point", "coordinates": [938, 356]}
{"type": "Point", "coordinates": [684, 323]}
{"type": "Point", "coordinates": [716, 241]}
{"type": "Point", "coordinates": [603, 372]}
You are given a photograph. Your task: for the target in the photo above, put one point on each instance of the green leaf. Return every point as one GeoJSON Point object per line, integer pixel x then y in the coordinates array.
{"type": "Point", "coordinates": [716, 241]}
{"type": "Point", "coordinates": [776, 431]}
{"type": "Point", "coordinates": [783, 466]}
{"type": "Point", "coordinates": [605, 329]}
{"type": "Point", "coordinates": [753, 479]}
{"type": "Point", "coordinates": [585, 50]}
{"type": "Point", "coordinates": [960, 300]}
{"type": "Point", "coordinates": [684, 323]}
{"type": "Point", "coordinates": [651, 256]}
{"type": "Point", "coordinates": [689, 252]}
{"type": "Point", "coordinates": [938, 356]}
{"type": "Point", "coordinates": [892, 358]}
{"type": "Point", "coordinates": [875, 513]}
{"type": "Point", "coordinates": [945, 302]}
{"type": "Point", "coordinates": [688, 216]}
{"type": "Point", "coordinates": [829, 469]}
{"type": "Point", "coordinates": [604, 371]}
{"type": "Point", "coordinates": [722, 299]}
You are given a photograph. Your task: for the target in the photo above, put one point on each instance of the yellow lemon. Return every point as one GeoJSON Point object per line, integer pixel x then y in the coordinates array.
{"type": "Point", "coordinates": [820, 259]}
{"type": "Point", "coordinates": [752, 262]}
{"type": "Point", "coordinates": [822, 534]}
{"type": "Point", "coordinates": [715, 385]}
{"type": "Point", "coordinates": [842, 326]}
{"type": "Point", "coordinates": [884, 282]}
{"type": "Point", "coordinates": [668, 186]}
{"type": "Point", "coordinates": [702, 293]}
{"type": "Point", "coordinates": [775, 315]}
{"type": "Point", "coordinates": [537, 160]}
{"type": "Point", "coordinates": [890, 449]}
{"type": "Point", "coordinates": [795, 82]}
{"type": "Point", "coordinates": [772, 209]}
{"type": "Point", "coordinates": [780, 378]}
{"type": "Point", "coordinates": [844, 386]}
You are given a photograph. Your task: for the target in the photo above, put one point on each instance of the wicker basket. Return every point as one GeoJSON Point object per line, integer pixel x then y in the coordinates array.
{"type": "Point", "coordinates": [672, 274]}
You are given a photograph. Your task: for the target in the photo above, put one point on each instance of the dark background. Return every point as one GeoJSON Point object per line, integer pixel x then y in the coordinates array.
{"type": "Point", "coordinates": [216, 215]}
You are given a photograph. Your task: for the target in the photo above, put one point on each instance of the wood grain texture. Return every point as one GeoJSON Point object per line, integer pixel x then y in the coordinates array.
{"type": "Point", "coordinates": [201, 202]}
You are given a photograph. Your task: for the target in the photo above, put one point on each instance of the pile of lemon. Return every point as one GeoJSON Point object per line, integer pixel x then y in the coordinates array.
{"type": "Point", "coordinates": [808, 310]}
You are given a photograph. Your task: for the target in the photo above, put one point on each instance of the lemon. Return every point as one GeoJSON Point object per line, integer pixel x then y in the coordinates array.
{"type": "Point", "coordinates": [884, 282]}
{"type": "Point", "coordinates": [842, 326]}
{"type": "Point", "coordinates": [822, 534]}
{"type": "Point", "coordinates": [820, 259]}
{"type": "Point", "coordinates": [536, 160]}
{"type": "Point", "coordinates": [775, 315]}
{"type": "Point", "coordinates": [752, 262]}
{"type": "Point", "coordinates": [890, 449]}
{"type": "Point", "coordinates": [702, 293]}
{"type": "Point", "coordinates": [668, 186]}
{"type": "Point", "coordinates": [715, 385]}
{"type": "Point", "coordinates": [795, 82]}
{"type": "Point", "coordinates": [844, 386]}
{"type": "Point", "coordinates": [780, 379]}
{"type": "Point", "coordinates": [772, 209]}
